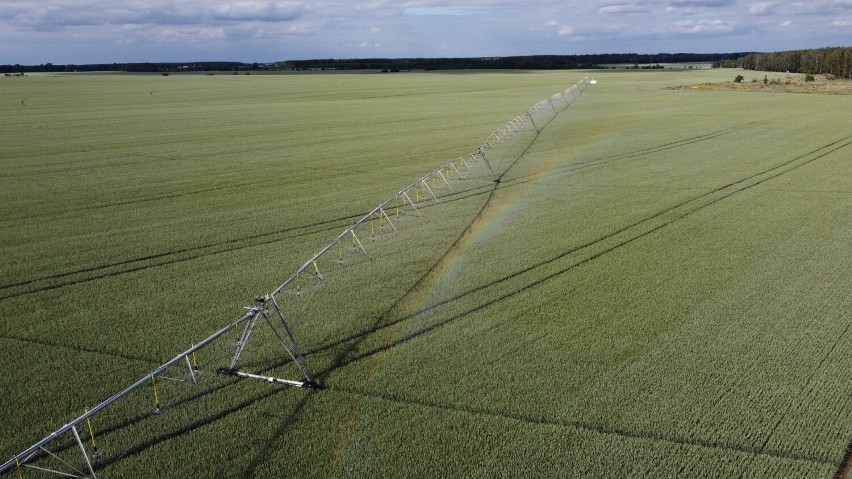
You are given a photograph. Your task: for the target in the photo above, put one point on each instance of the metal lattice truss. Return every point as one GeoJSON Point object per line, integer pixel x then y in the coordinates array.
{"type": "Point", "coordinates": [269, 310]}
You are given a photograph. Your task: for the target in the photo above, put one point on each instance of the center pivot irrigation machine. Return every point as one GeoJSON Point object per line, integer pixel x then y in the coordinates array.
{"type": "Point", "coordinates": [73, 450]}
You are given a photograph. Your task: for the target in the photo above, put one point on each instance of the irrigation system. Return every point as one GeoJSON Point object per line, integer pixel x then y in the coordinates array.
{"type": "Point", "coordinates": [54, 453]}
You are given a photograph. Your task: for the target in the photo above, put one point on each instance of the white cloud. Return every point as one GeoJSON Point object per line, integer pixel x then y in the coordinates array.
{"type": "Point", "coordinates": [703, 26]}
{"type": "Point", "coordinates": [194, 34]}
{"type": "Point", "coordinates": [256, 10]}
{"type": "Point", "coordinates": [842, 22]}
{"type": "Point", "coordinates": [561, 30]}
{"type": "Point", "coordinates": [446, 11]}
{"type": "Point", "coordinates": [700, 3]}
{"type": "Point", "coordinates": [363, 45]}
{"type": "Point", "coordinates": [54, 14]}
{"type": "Point", "coordinates": [693, 7]}
{"type": "Point", "coordinates": [298, 29]}
{"type": "Point", "coordinates": [785, 24]}
{"type": "Point", "coordinates": [761, 8]}
{"type": "Point", "coordinates": [822, 7]}
{"type": "Point", "coordinates": [624, 8]}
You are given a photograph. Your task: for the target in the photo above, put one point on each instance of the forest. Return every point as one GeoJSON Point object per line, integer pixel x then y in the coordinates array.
{"type": "Point", "coordinates": [836, 61]}
{"type": "Point", "coordinates": [531, 62]}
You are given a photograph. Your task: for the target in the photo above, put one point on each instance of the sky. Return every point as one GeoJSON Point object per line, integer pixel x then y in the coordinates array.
{"type": "Point", "coordinates": [35, 32]}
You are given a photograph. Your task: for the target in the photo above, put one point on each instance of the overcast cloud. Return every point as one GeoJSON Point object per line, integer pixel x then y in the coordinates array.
{"type": "Point", "coordinates": [106, 31]}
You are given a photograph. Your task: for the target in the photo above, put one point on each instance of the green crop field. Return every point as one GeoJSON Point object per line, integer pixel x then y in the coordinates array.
{"type": "Point", "coordinates": [658, 286]}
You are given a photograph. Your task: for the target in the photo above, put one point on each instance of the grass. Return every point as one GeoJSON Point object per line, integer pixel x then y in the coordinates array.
{"type": "Point", "coordinates": [658, 287]}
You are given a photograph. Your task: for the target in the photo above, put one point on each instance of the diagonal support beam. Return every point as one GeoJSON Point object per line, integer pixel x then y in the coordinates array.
{"type": "Point", "coordinates": [296, 353]}
{"type": "Point", "coordinates": [408, 198]}
{"type": "Point", "coordinates": [426, 185]}
{"type": "Point", "coordinates": [247, 329]}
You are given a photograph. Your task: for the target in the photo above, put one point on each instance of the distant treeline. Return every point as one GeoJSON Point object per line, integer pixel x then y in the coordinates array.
{"type": "Point", "coordinates": [137, 67]}
{"type": "Point", "coordinates": [534, 62]}
{"type": "Point", "coordinates": [835, 61]}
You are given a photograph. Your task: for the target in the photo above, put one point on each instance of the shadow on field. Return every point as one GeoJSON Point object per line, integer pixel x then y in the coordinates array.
{"type": "Point", "coordinates": [678, 212]}
{"type": "Point", "coordinates": [271, 444]}
{"type": "Point", "coordinates": [640, 229]}
{"type": "Point", "coordinates": [382, 322]}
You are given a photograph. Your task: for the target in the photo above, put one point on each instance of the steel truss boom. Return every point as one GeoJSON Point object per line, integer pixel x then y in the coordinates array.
{"type": "Point", "coordinates": [266, 308]}
{"type": "Point", "coordinates": [27, 453]}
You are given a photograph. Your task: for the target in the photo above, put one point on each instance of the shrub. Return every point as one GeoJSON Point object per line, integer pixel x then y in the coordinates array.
{"type": "Point", "coordinates": [809, 77]}
{"type": "Point", "coordinates": [738, 79]}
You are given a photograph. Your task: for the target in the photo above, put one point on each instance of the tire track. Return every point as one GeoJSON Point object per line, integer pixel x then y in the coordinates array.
{"type": "Point", "coordinates": [103, 271]}
{"type": "Point", "coordinates": [108, 270]}
{"type": "Point", "coordinates": [149, 199]}
{"type": "Point", "coordinates": [89, 208]}
{"type": "Point", "coordinates": [130, 159]}
{"type": "Point", "coordinates": [522, 180]}
{"type": "Point", "coordinates": [79, 349]}
{"type": "Point", "coordinates": [176, 252]}
{"type": "Point", "coordinates": [709, 199]}
{"type": "Point", "coordinates": [584, 426]}
{"type": "Point", "coordinates": [53, 211]}
{"type": "Point", "coordinates": [645, 151]}
{"type": "Point", "coordinates": [192, 426]}
{"type": "Point", "coordinates": [53, 284]}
